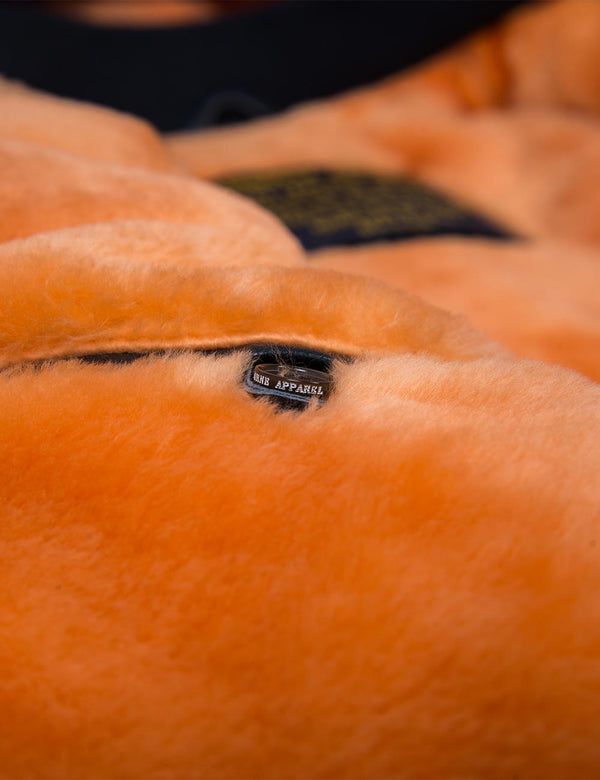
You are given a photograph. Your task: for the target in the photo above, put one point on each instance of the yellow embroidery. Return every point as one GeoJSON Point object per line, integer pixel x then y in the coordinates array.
{"type": "Point", "coordinates": [325, 203]}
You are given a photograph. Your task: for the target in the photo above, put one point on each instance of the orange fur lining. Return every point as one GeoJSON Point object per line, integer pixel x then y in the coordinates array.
{"type": "Point", "coordinates": [45, 190]}
{"type": "Point", "coordinates": [489, 123]}
{"type": "Point", "coordinates": [79, 128]}
{"type": "Point", "coordinates": [62, 303]}
{"type": "Point", "coordinates": [540, 301]}
{"type": "Point", "coordinates": [403, 582]}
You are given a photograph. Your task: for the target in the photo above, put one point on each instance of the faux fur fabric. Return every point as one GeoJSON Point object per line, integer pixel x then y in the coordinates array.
{"type": "Point", "coordinates": [62, 303]}
{"type": "Point", "coordinates": [505, 123]}
{"type": "Point", "coordinates": [44, 190]}
{"type": "Point", "coordinates": [68, 126]}
{"type": "Point", "coordinates": [401, 583]}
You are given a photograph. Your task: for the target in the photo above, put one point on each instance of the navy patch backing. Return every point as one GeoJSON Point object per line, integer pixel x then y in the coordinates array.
{"type": "Point", "coordinates": [342, 208]}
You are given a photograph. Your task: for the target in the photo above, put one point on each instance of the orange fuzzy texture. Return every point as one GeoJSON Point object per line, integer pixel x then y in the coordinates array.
{"type": "Point", "coordinates": [156, 242]}
{"type": "Point", "coordinates": [65, 302]}
{"type": "Point", "coordinates": [79, 128]}
{"type": "Point", "coordinates": [396, 584]}
{"type": "Point", "coordinates": [44, 190]}
{"type": "Point", "coordinates": [402, 583]}
{"type": "Point", "coordinates": [541, 55]}
{"type": "Point", "coordinates": [151, 13]}
{"type": "Point", "coordinates": [492, 123]}
{"type": "Point", "coordinates": [540, 301]}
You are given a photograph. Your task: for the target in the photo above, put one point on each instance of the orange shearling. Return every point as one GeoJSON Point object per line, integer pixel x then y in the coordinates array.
{"type": "Point", "coordinates": [472, 124]}
{"type": "Point", "coordinates": [403, 582]}
{"type": "Point", "coordinates": [79, 128]}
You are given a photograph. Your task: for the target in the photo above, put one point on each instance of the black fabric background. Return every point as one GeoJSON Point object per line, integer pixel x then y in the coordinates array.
{"type": "Point", "coordinates": [243, 66]}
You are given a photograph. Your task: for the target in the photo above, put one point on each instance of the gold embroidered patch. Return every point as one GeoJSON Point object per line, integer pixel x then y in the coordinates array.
{"type": "Point", "coordinates": [336, 208]}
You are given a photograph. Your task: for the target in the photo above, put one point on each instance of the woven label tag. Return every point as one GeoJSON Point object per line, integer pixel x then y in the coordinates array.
{"type": "Point", "coordinates": [342, 208]}
{"type": "Point", "coordinates": [291, 377]}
